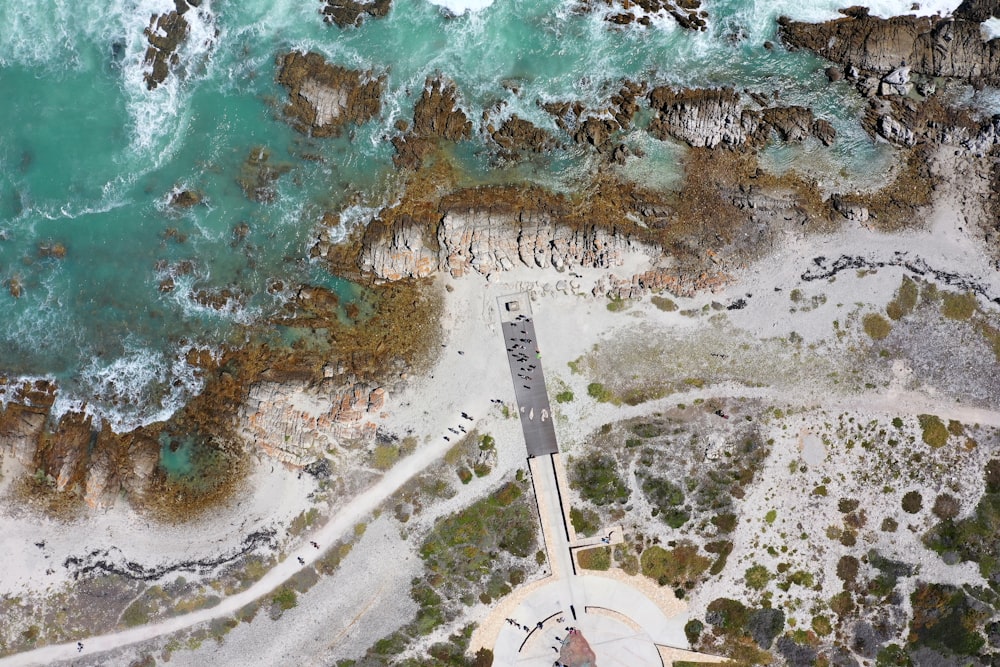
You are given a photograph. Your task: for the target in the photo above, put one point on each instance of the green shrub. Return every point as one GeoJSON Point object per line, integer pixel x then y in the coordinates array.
{"type": "Point", "coordinates": [285, 598]}
{"type": "Point", "coordinates": [726, 523]}
{"type": "Point", "coordinates": [904, 301]}
{"type": "Point", "coordinates": [618, 304]}
{"type": "Point", "coordinates": [600, 393]}
{"type": "Point", "coordinates": [564, 396]}
{"type": "Point", "coordinates": [677, 567]}
{"type": "Point", "coordinates": [585, 521]}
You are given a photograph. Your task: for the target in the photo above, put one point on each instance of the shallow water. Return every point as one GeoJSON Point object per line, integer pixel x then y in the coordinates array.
{"type": "Point", "coordinates": [88, 156]}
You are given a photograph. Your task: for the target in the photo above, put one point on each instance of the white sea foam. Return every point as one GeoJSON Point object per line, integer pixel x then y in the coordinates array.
{"type": "Point", "coordinates": [140, 387]}
{"type": "Point", "coordinates": [462, 6]}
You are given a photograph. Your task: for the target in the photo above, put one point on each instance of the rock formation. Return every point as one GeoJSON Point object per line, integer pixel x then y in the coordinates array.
{"type": "Point", "coordinates": [258, 174]}
{"type": "Point", "coordinates": [296, 424]}
{"type": "Point", "coordinates": [323, 98]}
{"type": "Point", "coordinates": [436, 116]}
{"type": "Point", "coordinates": [351, 12]}
{"type": "Point", "coordinates": [946, 47]}
{"type": "Point", "coordinates": [165, 34]}
{"type": "Point", "coordinates": [719, 117]}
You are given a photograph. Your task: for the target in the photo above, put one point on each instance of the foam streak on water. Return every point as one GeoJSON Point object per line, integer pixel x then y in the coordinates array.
{"type": "Point", "coordinates": [89, 156]}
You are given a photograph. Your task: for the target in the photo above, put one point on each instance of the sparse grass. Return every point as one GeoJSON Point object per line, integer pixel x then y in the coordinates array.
{"type": "Point", "coordinates": [904, 301]}
{"type": "Point", "coordinates": [600, 393]}
{"type": "Point", "coordinates": [598, 558]}
{"type": "Point", "coordinates": [934, 432]}
{"type": "Point", "coordinates": [958, 306]}
{"type": "Point", "coordinates": [385, 456]}
{"type": "Point", "coordinates": [617, 305]}
{"type": "Point", "coordinates": [664, 304]}
{"type": "Point", "coordinates": [876, 326]}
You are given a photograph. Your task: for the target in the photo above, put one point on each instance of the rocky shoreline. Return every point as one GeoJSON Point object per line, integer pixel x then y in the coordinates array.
{"type": "Point", "coordinates": [727, 214]}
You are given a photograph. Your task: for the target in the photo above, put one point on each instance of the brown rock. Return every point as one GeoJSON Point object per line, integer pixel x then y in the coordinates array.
{"type": "Point", "coordinates": [324, 97]}
{"type": "Point", "coordinates": [185, 198]}
{"type": "Point", "coordinates": [15, 287]}
{"type": "Point", "coordinates": [517, 134]}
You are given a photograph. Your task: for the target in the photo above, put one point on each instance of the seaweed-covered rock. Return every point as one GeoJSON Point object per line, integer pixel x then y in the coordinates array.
{"type": "Point", "coordinates": [323, 98]}
{"type": "Point", "coordinates": [436, 116]}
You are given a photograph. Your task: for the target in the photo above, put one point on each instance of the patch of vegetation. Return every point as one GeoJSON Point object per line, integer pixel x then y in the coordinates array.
{"type": "Point", "coordinates": [770, 516]}
{"type": "Point", "coordinates": [385, 456]}
{"type": "Point", "coordinates": [934, 432]}
{"type": "Point", "coordinates": [737, 623]}
{"type": "Point", "coordinates": [564, 396]}
{"type": "Point", "coordinates": [726, 523]}
{"type": "Point", "coordinates": [285, 598]}
{"type": "Point", "coordinates": [598, 558]}
{"type": "Point", "coordinates": [664, 304]}
{"type": "Point", "coordinates": [946, 620]}
{"type": "Point", "coordinates": [958, 306]}
{"type": "Point", "coordinates": [597, 478]}
{"type": "Point", "coordinates": [303, 521]}
{"type": "Point", "coordinates": [681, 566]}
{"type": "Point", "coordinates": [821, 625]}
{"type": "Point", "coordinates": [876, 326]}
{"type": "Point", "coordinates": [463, 548]}
{"type": "Point", "coordinates": [974, 538]}
{"type": "Point", "coordinates": [904, 301]}
{"type": "Point", "coordinates": [585, 521]}
{"type": "Point", "coordinates": [618, 304]}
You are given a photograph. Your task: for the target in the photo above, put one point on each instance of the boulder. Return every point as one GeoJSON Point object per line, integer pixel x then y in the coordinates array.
{"type": "Point", "coordinates": [323, 98]}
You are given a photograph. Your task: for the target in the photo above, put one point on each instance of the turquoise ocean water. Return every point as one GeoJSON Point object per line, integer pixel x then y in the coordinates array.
{"type": "Point", "coordinates": [89, 157]}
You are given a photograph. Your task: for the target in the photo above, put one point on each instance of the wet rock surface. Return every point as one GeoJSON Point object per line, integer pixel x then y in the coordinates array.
{"type": "Point", "coordinates": [721, 117]}
{"type": "Point", "coordinates": [323, 98]}
{"type": "Point", "coordinates": [945, 47]}
{"type": "Point", "coordinates": [345, 13]}
{"type": "Point", "coordinates": [686, 13]}
{"type": "Point", "coordinates": [516, 135]}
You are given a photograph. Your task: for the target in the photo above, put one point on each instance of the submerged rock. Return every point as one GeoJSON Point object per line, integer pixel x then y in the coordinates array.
{"type": "Point", "coordinates": [323, 98]}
